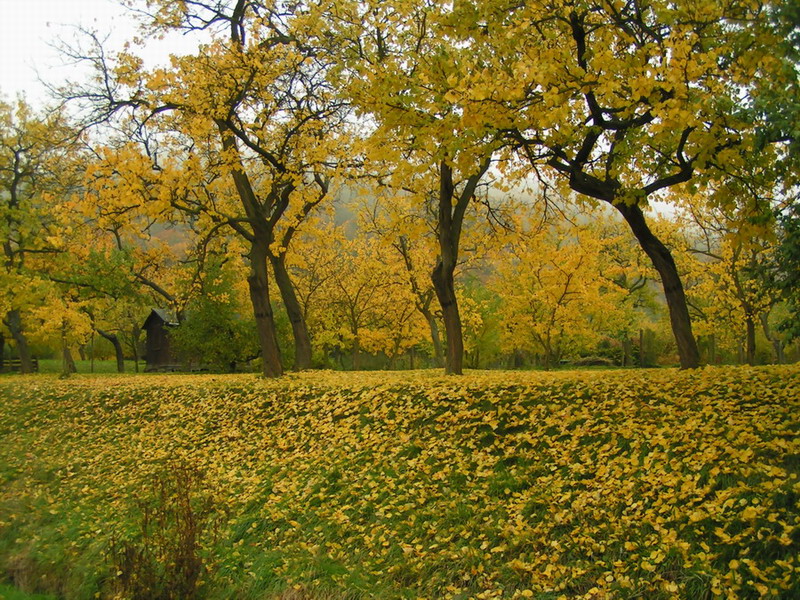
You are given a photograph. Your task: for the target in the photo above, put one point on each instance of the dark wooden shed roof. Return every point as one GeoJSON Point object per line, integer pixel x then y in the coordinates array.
{"type": "Point", "coordinates": [166, 317]}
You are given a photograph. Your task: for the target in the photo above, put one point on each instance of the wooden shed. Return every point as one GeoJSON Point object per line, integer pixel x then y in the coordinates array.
{"type": "Point", "coordinates": [158, 354]}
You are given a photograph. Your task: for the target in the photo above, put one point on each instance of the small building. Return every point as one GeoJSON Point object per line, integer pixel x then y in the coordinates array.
{"type": "Point", "coordinates": [158, 354]}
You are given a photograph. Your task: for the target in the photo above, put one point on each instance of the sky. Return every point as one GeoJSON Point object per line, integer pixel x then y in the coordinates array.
{"type": "Point", "coordinates": [30, 28]}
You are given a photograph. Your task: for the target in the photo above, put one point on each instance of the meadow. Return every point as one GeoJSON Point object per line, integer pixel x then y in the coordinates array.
{"type": "Point", "coordinates": [583, 484]}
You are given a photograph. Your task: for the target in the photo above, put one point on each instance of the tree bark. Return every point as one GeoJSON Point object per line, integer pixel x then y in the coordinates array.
{"type": "Point", "coordinates": [444, 284]}
{"type": "Point", "coordinates": [14, 324]}
{"type": "Point", "coordinates": [670, 279]}
{"type": "Point", "coordinates": [435, 337]}
{"type": "Point", "coordinates": [258, 282]}
{"type": "Point", "coordinates": [135, 333]}
{"type": "Point", "coordinates": [302, 341]}
{"type": "Point", "coordinates": [750, 344]}
{"type": "Point", "coordinates": [777, 343]}
{"type": "Point", "coordinates": [354, 351]}
{"type": "Point", "coordinates": [450, 218]}
{"type": "Point", "coordinates": [120, 356]}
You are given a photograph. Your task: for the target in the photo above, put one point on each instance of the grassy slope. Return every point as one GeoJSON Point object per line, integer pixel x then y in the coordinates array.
{"type": "Point", "coordinates": [616, 484]}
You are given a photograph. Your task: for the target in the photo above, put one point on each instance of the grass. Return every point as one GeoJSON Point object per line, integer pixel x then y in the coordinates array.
{"type": "Point", "coordinates": [54, 365]}
{"type": "Point", "coordinates": [10, 593]}
{"type": "Point", "coordinates": [596, 484]}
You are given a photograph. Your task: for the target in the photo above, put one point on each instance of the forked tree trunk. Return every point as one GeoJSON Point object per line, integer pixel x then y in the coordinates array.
{"type": "Point", "coordinates": [663, 262]}
{"type": "Point", "coordinates": [258, 282]}
{"type": "Point", "coordinates": [450, 218]}
{"type": "Point", "coordinates": [120, 356]}
{"type": "Point", "coordinates": [302, 341]}
{"type": "Point", "coordinates": [14, 323]}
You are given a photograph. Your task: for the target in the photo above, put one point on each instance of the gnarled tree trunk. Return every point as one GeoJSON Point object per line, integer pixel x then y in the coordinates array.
{"type": "Point", "coordinates": [750, 345]}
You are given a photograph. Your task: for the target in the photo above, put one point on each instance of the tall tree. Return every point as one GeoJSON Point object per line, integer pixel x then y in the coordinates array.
{"type": "Point", "coordinates": [400, 62]}
{"type": "Point", "coordinates": [33, 172]}
{"type": "Point", "coordinates": [621, 101]}
{"type": "Point", "coordinates": [255, 103]}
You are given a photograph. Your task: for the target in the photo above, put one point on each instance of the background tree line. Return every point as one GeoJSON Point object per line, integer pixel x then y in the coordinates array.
{"type": "Point", "coordinates": [216, 186]}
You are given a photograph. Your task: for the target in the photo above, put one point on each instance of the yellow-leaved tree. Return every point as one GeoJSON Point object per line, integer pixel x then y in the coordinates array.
{"type": "Point", "coordinates": [35, 173]}
{"type": "Point", "coordinates": [254, 130]}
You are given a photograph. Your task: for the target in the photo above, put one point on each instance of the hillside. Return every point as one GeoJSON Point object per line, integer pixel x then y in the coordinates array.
{"type": "Point", "coordinates": [607, 484]}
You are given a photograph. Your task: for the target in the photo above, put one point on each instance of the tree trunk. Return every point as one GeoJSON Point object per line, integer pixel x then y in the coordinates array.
{"type": "Point", "coordinates": [354, 349]}
{"type": "Point", "coordinates": [258, 282]}
{"type": "Point", "coordinates": [750, 349]}
{"type": "Point", "coordinates": [302, 341]}
{"type": "Point", "coordinates": [435, 337]}
{"type": "Point", "coordinates": [450, 219]}
{"type": "Point", "coordinates": [135, 333]}
{"type": "Point", "coordinates": [670, 279]}
{"type": "Point", "coordinates": [112, 337]}
{"type": "Point", "coordinates": [641, 348]}
{"type": "Point", "coordinates": [627, 345]}
{"type": "Point", "coordinates": [14, 323]}
{"type": "Point", "coordinates": [67, 362]}
{"type": "Point", "coordinates": [444, 285]}
{"type": "Point", "coordinates": [777, 343]}
{"type": "Point", "coordinates": [2, 352]}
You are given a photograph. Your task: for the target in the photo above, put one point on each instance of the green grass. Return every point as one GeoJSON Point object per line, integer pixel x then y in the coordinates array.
{"type": "Point", "coordinates": [9, 593]}
{"type": "Point", "coordinates": [324, 486]}
{"type": "Point", "coordinates": [54, 365]}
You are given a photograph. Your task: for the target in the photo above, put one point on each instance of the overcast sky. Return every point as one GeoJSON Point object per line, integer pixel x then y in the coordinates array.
{"type": "Point", "coordinates": [29, 28]}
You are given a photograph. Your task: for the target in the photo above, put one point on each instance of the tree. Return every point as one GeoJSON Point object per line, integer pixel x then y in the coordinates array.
{"type": "Point", "coordinates": [620, 101]}
{"type": "Point", "coordinates": [727, 258]}
{"type": "Point", "coordinates": [253, 108]}
{"type": "Point", "coordinates": [553, 297]}
{"type": "Point", "coordinates": [400, 64]}
{"type": "Point", "coordinates": [786, 268]}
{"type": "Point", "coordinates": [215, 334]}
{"type": "Point", "coordinates": [32, 172]}
{"type": "Point", "coordinates": [368, 304]}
